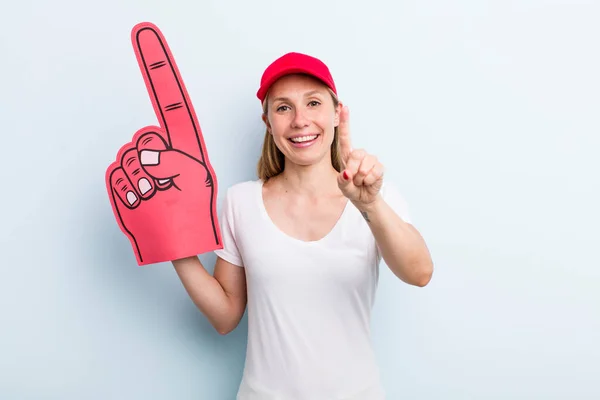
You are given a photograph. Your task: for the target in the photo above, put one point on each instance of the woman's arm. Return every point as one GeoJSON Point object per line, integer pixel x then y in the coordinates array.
{"type": "Point", "coordinates": [222, 297]}
{"type": "Point", "coordinates": [401, 245]}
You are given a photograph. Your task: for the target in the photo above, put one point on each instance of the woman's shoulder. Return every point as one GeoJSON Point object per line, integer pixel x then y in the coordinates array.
{"type": "Point", "coordinates": [243, 188]}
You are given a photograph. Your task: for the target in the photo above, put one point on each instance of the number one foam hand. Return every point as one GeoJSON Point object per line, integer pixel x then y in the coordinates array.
{"type": "Point", "coordinates": [162, 187]}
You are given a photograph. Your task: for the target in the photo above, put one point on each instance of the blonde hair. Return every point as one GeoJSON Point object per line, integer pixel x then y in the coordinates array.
{"type": "Point", "coordinates": [272, 161]}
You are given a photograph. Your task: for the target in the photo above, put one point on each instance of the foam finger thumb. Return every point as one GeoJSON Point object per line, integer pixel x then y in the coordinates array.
{"type": "Point", "coordinates": [167, 164]}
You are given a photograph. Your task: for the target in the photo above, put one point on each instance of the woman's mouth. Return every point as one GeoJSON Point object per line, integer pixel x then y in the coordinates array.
{"type": "Point", "coordinates": [303, 141]}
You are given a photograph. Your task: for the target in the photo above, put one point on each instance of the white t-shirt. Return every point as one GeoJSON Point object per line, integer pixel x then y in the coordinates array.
{"type": "Point", "coordinates": [309, 303]}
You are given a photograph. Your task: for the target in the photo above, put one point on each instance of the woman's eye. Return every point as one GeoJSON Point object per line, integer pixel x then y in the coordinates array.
{"type": "Point", "coordinates": [281, 108]}
{"type": "Point", "coordinates": [314, 103]}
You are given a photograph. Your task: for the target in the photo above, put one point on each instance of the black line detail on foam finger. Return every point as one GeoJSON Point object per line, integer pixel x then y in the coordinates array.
{"type": "Point", "coordinates": [148, 139]}
{"type": "Point", "coordinates": [173, 106]}
{"type": "Point", "coordinates": [129, 161]}
{"type": "Point", "coordinates": [158, 64]}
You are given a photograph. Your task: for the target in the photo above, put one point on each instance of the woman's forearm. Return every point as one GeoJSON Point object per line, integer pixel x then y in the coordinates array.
{"type": "Point", "coordinates": [223, 310]}
{"type": "Point", "coordinates": [401, 245]}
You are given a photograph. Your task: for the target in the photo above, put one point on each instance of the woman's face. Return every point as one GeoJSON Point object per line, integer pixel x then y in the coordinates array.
{"type": "Point", "coordinates": [301, 116]}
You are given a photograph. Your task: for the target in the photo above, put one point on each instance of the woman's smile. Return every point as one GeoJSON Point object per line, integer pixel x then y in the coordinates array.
{"type": "Point", "coordinates": [302, 141]}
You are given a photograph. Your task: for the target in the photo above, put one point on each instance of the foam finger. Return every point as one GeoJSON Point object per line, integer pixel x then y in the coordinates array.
{"type": "Point", "coordinates": [124, 189]}
{"type": "Point", "coordinates": [167, 91]}
{"type": "Point", "coordinates": [149, 145]}
{"type": "Point", "coordinates": [143, 183]}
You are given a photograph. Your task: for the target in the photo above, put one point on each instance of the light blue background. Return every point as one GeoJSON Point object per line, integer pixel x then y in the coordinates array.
{"type": "Point", "coordinates": [485, 113]}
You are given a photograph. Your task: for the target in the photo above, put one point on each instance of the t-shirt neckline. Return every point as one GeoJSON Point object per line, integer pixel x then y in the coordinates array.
{"type": "Point", "coordinates": [265, 215]}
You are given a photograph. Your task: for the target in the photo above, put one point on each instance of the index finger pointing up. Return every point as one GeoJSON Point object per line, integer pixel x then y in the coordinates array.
{"type": "Point", "coordinates": [166, 89]}
{"type": "Point", "coordinates": [344, 134]}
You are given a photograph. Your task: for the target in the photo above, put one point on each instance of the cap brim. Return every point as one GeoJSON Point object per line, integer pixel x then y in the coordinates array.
{"type": "Point", "coordinates": [263, 90]}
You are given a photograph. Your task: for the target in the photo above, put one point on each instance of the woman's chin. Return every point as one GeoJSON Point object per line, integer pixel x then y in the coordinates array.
{"type": "Point", "coordinates": [308, 159]}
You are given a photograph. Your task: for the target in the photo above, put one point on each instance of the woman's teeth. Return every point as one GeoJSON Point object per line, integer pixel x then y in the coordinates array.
{"type": "Point", "coordinates": [303, 139]}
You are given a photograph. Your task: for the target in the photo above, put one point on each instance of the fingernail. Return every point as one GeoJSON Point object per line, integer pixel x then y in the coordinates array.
{"type": "Point", "coordinates": [345, 175]}
{"type": "Point", "coordinates": [144, 185]}
{"type": "Point", "coordinates": [149, 157]}
{"type": "Point", "coordinates": [131, 198]}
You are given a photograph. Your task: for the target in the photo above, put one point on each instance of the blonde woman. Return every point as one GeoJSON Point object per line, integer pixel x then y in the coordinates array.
{"type": "Point", "coordinates": [302, 247]}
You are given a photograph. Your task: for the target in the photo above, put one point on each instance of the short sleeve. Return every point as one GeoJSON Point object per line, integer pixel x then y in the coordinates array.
{"type": "Point", "coordinates": [396, 201]}
{"type": "Point", "coordinates": [230, 251]}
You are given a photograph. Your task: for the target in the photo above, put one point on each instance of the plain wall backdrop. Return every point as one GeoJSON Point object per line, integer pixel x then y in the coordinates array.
{"type": "Point", "coordinates": [485, 114]}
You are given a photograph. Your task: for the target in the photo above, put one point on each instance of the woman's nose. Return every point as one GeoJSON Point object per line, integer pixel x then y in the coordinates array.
{"type": "Point", "coordinates": [300, 119]}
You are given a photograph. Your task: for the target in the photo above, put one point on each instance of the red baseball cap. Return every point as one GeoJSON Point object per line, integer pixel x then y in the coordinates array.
{"type": "Point", "coordinates": [294, 63]}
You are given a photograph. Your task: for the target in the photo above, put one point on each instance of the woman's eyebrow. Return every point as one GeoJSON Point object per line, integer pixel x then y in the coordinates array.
{"type": "Point", "coordinates": [307, 94]}
{"type": "Point", "coordinates": [280, 98]}
{"type": "Point", "coordinates": [312, 93]}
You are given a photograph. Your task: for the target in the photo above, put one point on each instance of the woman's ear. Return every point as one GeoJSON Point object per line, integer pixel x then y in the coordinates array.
{"type": "Point", "coordinates": [338, 110]}
{"type": "Point", "coordinates": [266, 121]}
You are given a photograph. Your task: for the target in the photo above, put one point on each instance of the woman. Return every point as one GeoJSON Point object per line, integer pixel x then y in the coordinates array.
{"type": "Point", "coordinates": [302, 245]}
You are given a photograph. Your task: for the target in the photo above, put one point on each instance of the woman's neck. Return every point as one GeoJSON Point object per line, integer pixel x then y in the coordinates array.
{"type": "Point", "coordinates": [312, 180]}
